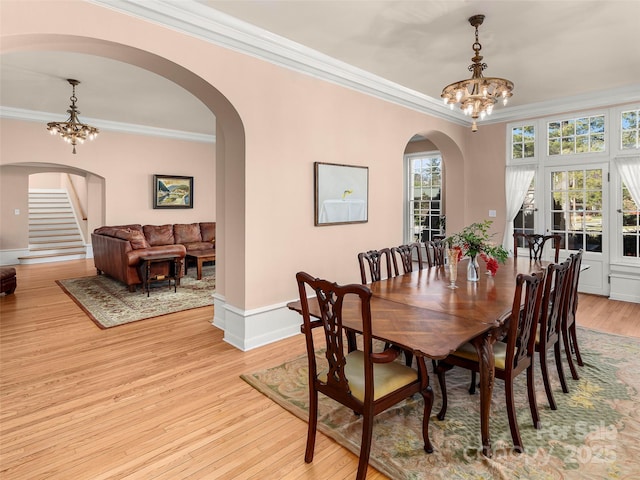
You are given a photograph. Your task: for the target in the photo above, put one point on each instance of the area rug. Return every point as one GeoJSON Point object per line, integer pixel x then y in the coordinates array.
{"type": "Point", "coordinates": [109, 303]}
{"type": "Point", "coordinates": [592, 435]}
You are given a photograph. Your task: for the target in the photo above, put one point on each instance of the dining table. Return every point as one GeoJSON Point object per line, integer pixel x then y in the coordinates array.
{"type": "Point", "coordinates": [418, 312]}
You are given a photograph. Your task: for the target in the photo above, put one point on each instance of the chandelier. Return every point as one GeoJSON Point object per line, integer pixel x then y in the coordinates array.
{"type": "Point", "coordinates": [477, 95]}
{"type": "Point", "coordinates": [73, 131]}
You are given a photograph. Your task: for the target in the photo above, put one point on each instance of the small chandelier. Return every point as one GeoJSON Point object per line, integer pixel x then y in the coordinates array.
{"type": "Point", "coordinates": [73, 131]}
{"type": "Point", "coordinates": [477, 95]}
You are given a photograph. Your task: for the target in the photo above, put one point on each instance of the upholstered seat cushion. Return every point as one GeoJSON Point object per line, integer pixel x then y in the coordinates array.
{"type": "Point", "coordinates": [387, 377]}
{"type": "Point", "coordinates": [468, 351]}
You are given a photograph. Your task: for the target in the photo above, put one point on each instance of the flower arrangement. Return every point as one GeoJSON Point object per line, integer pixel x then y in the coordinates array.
{"type": "Point", "coordinates": [474, 240]}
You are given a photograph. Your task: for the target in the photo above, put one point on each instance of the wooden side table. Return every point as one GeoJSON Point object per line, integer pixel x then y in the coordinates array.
{"type": "Point", "coordinates": [175, 266]}
{"type": "Point", "coordinates": [200, 256]}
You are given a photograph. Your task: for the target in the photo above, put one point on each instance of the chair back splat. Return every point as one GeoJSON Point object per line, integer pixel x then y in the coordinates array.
{"type": "Point", "coordinates": [436, 252]}
{"type": "Point", "coordinates": [536, 243]}
{"type": "Point", "coordinates": [366, 382]}
{"type": "Point", "coordinates": [375, 260]}
{"type": "Point", "coordinates": [405, 252]}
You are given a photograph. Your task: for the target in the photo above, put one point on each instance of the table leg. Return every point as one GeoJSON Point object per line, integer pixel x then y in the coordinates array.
{"type": "Point", "coordinates": [148, 276]}
{"type": "Point", "coordinates": [200, 268]}
{"type": "Point", "coordinates": [484, 348]}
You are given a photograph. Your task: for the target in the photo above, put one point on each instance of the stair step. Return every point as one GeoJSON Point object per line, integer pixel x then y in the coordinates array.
{"type": "Point", "coordinates": [32, 259]}
{"type": "Point", "coordinates": [58, 250]}
{"type": "Point", "coordinates": [56, 221]}
{"type": "Point", "coordinates": [38, 241]}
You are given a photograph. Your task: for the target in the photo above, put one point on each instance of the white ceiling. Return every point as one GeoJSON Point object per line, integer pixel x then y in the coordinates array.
{"type": "Point", "coordinates": [550, 50]}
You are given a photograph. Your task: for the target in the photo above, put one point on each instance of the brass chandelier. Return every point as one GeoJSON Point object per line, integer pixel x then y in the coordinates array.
{"type": "Point", "coordinates": [477, 95]}
{"type": "Point", "coordinates": [73, 131]}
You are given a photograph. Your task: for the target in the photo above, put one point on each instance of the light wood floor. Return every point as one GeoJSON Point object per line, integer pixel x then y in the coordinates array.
{"type": "Point", "coordinates": [160, 398]}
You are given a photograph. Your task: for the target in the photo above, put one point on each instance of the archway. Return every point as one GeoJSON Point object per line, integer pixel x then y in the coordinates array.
{"type": "Point", "coordinates": [230, 142]}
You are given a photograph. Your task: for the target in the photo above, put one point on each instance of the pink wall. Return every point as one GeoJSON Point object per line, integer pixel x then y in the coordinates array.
{"type": "Point", "coordinates": [125, 162]}
{"type": "Point", "coordinates": [273, 124]}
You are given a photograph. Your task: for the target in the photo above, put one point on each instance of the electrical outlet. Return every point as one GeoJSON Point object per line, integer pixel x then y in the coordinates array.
{"type": "Point", "coordinates": [492, 213]}
{"type": "Point", "coordinates": [16, 211]}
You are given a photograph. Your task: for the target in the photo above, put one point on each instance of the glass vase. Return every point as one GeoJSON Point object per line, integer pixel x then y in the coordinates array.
{"type": "Point", "coordinates": [452, 266]}
{"type": "Point", "coordinates": [473, 269]}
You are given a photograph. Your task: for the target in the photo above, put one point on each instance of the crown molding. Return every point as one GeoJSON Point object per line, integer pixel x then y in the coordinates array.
{"type": "Point", "coordinates": [199, 20]}
{"type": "Point", "coordinates": [131, 128]}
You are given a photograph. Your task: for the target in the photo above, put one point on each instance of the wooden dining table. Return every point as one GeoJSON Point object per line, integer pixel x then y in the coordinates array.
{"type": "Point", "coordinates": [418, 312]}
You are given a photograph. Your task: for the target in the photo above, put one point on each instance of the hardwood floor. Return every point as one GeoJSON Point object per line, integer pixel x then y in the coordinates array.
{"type": "Point", "coordinates": [160, 398]}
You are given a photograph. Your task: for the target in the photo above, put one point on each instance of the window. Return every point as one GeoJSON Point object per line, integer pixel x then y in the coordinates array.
{"type": "Point", "coordinates": [523, 142]}
{"type": "Point", "coordinates": [576, 135]}
{"type": "Point", "coordinates": [425, 196]}
{"type": "Point", "coordinates": [629, 130]}
{"type": "Point", "coordinates": [630, 225]}
{"type": "Point", "coordinates": [576, 208]}
{"type": "Point", "coordinates": [525, 219]}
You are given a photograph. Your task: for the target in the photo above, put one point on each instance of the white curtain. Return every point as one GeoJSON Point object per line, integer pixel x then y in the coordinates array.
{"type": "Point", "coordinates": [517, 181]}
{"type": "Point", "coordinates": [629, 168]}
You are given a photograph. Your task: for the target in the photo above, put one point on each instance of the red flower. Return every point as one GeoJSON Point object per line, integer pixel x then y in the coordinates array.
{"type": "Point", "coordinates": [492, 265]}
{"type": "Point", "coordinates": [459, 250]}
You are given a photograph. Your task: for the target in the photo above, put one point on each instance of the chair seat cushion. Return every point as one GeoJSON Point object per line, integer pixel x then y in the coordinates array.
{"type": "Point", "coordinates": [387, 377]}
{"type": "Point", "coordinates": [468, 351]}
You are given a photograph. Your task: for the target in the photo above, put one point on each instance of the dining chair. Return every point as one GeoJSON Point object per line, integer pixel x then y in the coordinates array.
{"type": "Point", "coordinates": [366, 382]}
{"type": "Point", "coordinates": [512, 356]}
{"type": "Point", "coordinates": [406, 254]}
{"type": "Point", "coordinates": [536, 243]}
{"type": "Point", "coordinates": [554, 299]}
{"type": "Point", "coordinates": [376, 260]}
{"type": "Point", "coordinates": [436, 252]}
{"type": "Point", "coordinates": [569, 336]}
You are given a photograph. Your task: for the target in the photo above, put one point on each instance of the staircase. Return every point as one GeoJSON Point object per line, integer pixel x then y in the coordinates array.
{"type": "Point", "coordinates": [54, 234]}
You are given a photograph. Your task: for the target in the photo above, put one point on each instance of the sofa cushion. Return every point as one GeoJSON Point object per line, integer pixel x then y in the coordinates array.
{"type": "Point", "coordinates": [111, 228]}
{"type": "Point", "coordinates": [186, 233]}
{"type": "Point", "coordinates": [159, 234]}
{"type": "Point", "coordinates": [208, 231]}
{"type": "Point", "coordinates": [135, 237]}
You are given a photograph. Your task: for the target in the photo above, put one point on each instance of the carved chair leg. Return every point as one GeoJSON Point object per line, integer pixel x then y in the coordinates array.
{"type": "Point", "coordinates": [574, 341]}
{"type": "Point", "coordinates": [531, 394]}
{"type": "Point", "coordinates": [544, 369]}
{"type": "Point", "coordinates": [365, 445]}
{"type": "Point", "coordinates": [558, 357]}
{"type": "Point", "coordinates": [313, 424]}
{"type": "Point", "coordinates": [511, 414]}
{"type": "Point", "coordinates": [567, 350]}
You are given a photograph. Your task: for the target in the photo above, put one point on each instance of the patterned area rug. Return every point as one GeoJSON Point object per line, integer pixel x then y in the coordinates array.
{"type": "Point", "coordinates": [592, 435]}
{"type": "Point", "coordinates": [109, 303]}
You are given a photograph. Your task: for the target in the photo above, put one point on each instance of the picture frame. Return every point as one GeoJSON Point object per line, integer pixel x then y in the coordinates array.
{"type": "Point", "coordinates": [172, 191]}
{"type": "Point", "coordinates": [341, 194]}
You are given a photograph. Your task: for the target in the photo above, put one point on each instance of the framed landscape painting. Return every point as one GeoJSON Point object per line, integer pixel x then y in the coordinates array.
{"type": "Point", "coordinates": [171, 191]}
{"type": "Point", "coordinates": [341, 194]}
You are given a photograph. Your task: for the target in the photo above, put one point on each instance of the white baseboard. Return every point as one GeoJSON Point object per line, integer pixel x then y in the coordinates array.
{"type": "Point", "coordinates": [249, 329]}
{"type": "Point", "coordinates": [10, 256]}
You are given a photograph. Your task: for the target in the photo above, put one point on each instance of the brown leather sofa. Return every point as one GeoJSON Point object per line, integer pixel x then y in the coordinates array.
{"type": "Point", "coordinates": [117, 250]}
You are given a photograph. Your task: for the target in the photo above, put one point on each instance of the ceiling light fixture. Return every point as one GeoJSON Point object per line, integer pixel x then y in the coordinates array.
{"type": "Point", "coordinates": [73, 131]}
{"type": "Point", "coordinates": [477, 95]}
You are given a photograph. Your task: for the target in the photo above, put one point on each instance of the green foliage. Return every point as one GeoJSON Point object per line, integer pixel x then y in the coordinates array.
{"type": "Point", "coordinates": [475, 239]}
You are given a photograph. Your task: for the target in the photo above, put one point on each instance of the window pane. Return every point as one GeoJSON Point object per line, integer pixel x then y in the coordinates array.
{"type": "Point", "coordinates": [577, 135]}
{"type": "Point", "coordinates": [558, 180]}
{"type": "Point", "coordinates": [516, 134]}
{"type": "Point", "coordinates": [517, 150]}
{"type": "Point", "coordinates": [630, 245]}
{"type": "Point", "coordinates": [529, 149]}
{"type": "Point", "coordinates": [597, 143]}
{"type": "Point", "coordinates": [594, 243]}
